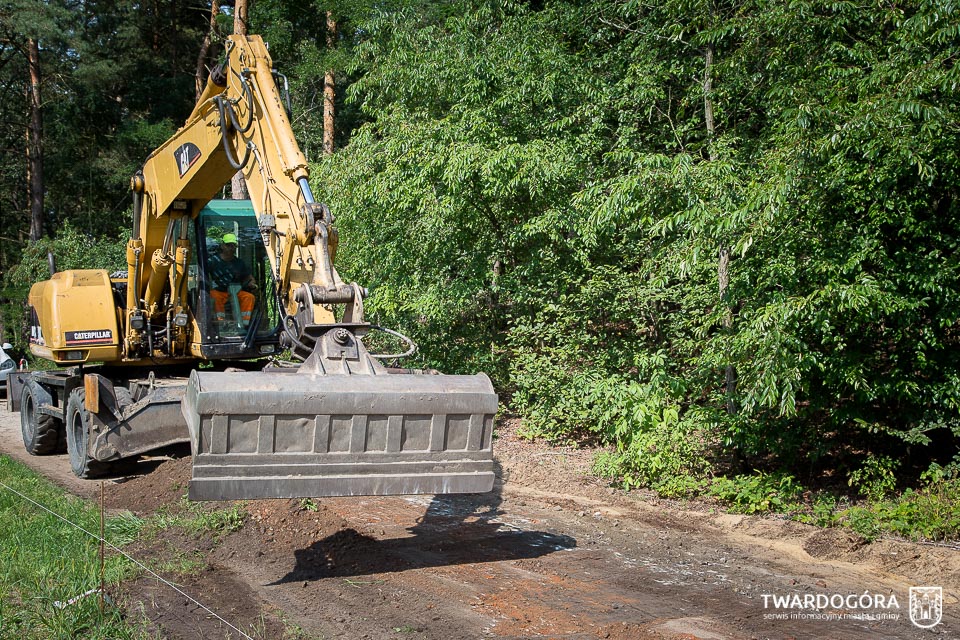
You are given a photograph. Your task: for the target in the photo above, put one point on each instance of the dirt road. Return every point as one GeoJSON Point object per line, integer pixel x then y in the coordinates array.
{"type": "Point", "coordinates": [549, 554]}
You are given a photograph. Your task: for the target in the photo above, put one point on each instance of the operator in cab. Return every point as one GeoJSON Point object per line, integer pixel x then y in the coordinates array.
{"type": "Point", "coordinates": [225, 269]}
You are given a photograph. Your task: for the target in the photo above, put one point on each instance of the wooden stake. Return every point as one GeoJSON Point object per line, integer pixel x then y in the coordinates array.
{"type": "Point", "coordinates": [102, 589]}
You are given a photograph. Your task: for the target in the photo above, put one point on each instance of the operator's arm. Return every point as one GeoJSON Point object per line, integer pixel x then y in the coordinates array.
{"type": "Point", "coordinates": [249, 284]}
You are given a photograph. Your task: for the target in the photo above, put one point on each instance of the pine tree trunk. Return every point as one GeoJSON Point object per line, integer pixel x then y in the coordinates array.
{"type": "Point", "coordinates": [156, 26]}
{"type": "Point", "coordinates": [200, 76]}
{"type": "Point", "coordinates": [329, 90]}
{"type": "Point", "coordinates": [241, 11]}
{"type": "Point", "coordinates": [35, 143]}
{"type": "Point", "coordinates": [238, 186]}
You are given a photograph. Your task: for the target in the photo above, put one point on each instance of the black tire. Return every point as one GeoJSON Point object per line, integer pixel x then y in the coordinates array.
{"type": "Point", "coordinates": [124, 397]}
{"type": "Point", "coordinates": [42, 433]}
{"type": "Point", "coordinates": [123, 465]}
{"type": "Point", "coordinates": [78, 435]}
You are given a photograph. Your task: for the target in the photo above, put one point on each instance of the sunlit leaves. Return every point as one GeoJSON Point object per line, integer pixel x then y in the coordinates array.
{"type": "Point", "coordinates": [539, 193]}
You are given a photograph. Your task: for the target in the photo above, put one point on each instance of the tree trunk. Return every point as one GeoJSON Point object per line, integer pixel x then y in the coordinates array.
{"type": "Point", "coordinates": [723, 266]}
{"type": "Point", "coordinates": [708, 97]}
{"type": "Point", "coordinates": [329, 90]}
{"type": "Point", "coordinates": [156, 26]}
{"type": "Point", "coordinates": [238, 186]}
{"type": "Point", "coordinates": [35, 143]}
{"type": "Point", "coordinates": [200, 76]}
{"type": "Point", "coordinates": [240, 17]}
{"type": "Point", "coordinates": [723, 276]}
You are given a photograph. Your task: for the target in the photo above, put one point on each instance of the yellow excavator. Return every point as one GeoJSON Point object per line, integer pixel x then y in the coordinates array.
{"type": "Point", "coordinates": [184, 344]}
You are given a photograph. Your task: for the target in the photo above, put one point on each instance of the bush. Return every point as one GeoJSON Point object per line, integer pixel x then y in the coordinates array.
{"type": "Point", "coordinates": [653, 445]}
{"type": "Point", "coordinates": [757, 493]}
{"type": "Point", "coordinates": [929, 513]}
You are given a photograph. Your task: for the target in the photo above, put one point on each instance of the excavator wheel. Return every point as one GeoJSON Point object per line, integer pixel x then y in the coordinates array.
{"type": "Point", "coordinates": [78, 434]}
{"type": "Point", "coordinates": [42, 433]}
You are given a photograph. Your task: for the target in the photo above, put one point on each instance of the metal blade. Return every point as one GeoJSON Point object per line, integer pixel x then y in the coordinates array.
{"type": "Point", "coordinates": [283, 434]}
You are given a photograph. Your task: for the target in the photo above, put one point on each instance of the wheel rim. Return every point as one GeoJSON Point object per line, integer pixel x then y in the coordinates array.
{"type": "Point", "coordinates": [78, 453]}
{"type": "Point", "coordinates": [27, 418]}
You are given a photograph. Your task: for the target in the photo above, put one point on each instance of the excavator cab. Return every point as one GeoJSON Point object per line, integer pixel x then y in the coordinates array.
{"type": "Point", "coordinates": [230, 284]}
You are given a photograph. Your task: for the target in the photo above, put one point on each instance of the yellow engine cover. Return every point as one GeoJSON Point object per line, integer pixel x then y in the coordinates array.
{"type": "Point", "coordinates": [74, 318]}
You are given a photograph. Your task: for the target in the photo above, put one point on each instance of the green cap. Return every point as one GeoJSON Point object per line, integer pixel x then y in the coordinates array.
{"type": "Point", "coordinates": [229, 238]}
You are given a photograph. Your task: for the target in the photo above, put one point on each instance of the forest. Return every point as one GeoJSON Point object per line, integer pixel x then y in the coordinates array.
{"type": "Point", "coordinates": [718, 237]}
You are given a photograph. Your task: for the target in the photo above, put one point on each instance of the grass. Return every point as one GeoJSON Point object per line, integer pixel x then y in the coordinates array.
{"type": "Point", "coordinates": [293, 631]}
{"type": "Point", "coordinates": [197, 518]}
{"type": "Point", "coordinates": [44, 560]}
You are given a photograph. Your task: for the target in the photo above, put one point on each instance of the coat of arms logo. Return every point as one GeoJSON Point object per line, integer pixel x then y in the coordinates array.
{"type": "Point", "coordinates": [926, 606]}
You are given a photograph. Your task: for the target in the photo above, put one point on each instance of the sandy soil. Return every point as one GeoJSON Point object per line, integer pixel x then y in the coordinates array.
{"type": "Point", "coordinates": [551, 553]}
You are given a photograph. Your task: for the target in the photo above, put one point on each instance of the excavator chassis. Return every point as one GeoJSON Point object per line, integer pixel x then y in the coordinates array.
{"type": "Point", "coordinates": [285, 434]}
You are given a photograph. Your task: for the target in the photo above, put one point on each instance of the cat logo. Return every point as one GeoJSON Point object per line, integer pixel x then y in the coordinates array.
{"type": "Point", "coordinates": [186, 156]}
{"type": "Point", "coordinates": [926, 606]}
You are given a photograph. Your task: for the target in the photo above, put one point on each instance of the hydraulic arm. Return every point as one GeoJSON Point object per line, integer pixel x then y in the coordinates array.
{"type": "Point", "coordinates": [239, 123]}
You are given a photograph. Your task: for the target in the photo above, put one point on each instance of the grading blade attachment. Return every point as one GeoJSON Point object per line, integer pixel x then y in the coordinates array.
{"type": "Point", "coordinates": [290, 434]}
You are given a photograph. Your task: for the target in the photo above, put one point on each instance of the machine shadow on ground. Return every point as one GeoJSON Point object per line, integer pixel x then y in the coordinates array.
{"type": "Point", "coordinates": [454, 530]}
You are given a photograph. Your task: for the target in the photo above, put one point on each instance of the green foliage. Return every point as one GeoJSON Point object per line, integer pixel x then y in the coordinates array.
{"type": "Point", "coordinates": [308, 504]}
{"type": "Point", "coordinates": [876, 478]}
{"type": "Point", "coordinates": [931, 512]}
{"type": "Point", "coordinates": [757, 493]}
{"type": "Point", "coordinates": [823, 511]}
{"type": "Point", "coordinates": [539, 192]}
{"type": "Point", "coordinates": [299, 48]}
{"type": "Point", "coordinates": [197, 518]}
{"type": "Point", "coordinates": [447, 195]}
{"type": "Point", "coordinates": [116, 79]}
{"type": "Point", "coordinates": [653, 446]}
{"type": "Point", "coordinates": [45, 560]}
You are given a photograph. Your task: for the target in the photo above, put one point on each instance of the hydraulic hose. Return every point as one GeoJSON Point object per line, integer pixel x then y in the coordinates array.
{"type": "Point", "coordinates": [238, 165]}
{"type": "Point", "coordinates": [391, 356]}
{"type": "Point", "coordinates": [248, 95]}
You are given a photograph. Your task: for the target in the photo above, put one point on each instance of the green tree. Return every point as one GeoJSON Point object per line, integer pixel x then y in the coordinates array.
{"type": "Point", "coordinates": [544, 192]}
{"type": "Point", "coordinates": [115, 80]}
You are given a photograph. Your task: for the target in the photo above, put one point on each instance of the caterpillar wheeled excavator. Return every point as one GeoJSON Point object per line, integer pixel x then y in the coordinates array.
{"type": "Point", "coordinates": [162, 353]}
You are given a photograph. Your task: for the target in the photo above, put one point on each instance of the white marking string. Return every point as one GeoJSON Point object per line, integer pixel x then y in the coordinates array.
{"type": "Point", "coordinates": [131, 559]}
